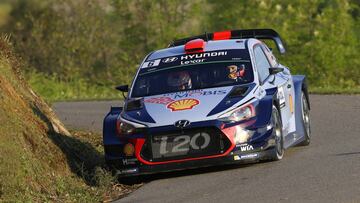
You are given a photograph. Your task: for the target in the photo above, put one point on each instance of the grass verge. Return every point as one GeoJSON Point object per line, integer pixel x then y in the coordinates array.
{"type": "Point", "coordinates": [40, 161]}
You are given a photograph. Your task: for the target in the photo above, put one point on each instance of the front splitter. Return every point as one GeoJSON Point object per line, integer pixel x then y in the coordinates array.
{"type": "Point", "coordinates": [234, 158]}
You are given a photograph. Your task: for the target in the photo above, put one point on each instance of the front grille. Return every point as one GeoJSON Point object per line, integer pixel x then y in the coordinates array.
{"type": "Point", "coordinates": [182, 144]}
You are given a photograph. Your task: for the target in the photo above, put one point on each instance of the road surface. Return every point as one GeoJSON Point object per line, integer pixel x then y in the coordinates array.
{"type": "Point", "coordinates": [326, 171]}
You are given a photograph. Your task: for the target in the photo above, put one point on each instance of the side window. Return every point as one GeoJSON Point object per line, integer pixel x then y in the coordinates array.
{"type": "Point", "coordinates": [270, 56]}
{"type": "Point", "coordinates": [262, 64]}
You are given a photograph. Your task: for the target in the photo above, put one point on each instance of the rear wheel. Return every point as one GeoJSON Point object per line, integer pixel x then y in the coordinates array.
{"type": "Point", "coordinates": [278, 152]}
{"type": "Point", "coordinates": [305, 111]}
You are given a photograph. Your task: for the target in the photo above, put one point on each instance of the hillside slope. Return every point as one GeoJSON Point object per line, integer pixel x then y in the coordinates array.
{"type": "Point", "coordinates": [39, 159]}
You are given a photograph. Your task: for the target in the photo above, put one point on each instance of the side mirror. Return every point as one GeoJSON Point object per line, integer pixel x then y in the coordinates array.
{"type": "Point", "coordinates": [122, 88]}
{"type": "Point", "coordinates": [274, 70]}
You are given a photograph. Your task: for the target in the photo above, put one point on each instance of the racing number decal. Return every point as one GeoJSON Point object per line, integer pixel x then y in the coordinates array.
{"type": "Point", "coordinates": [178, 148]}
{"type": "Point", "coordinates": [163, 145]}
{"type": "Point", "coordinates": [196, 136]}
{"type": "Point", "coordinates": [281, 97]}
{"type": "Point", "coordinates": [185, 143]}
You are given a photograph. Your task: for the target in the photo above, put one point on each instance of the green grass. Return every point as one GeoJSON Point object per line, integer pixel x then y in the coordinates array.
{"type": "Point", "coordinates": [53, 89]}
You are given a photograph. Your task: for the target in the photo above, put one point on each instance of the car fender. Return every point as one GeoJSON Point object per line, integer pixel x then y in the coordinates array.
{"type": "Point", "coordinates": [300, 84]}
{"type": "Point", "coordinates": [264, 109]}
{"type": "Point", "coordinates": [109, 127]}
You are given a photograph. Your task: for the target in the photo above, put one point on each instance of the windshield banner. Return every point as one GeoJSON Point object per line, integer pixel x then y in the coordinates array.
{"type": "Point", "coordinates": [239, 55]}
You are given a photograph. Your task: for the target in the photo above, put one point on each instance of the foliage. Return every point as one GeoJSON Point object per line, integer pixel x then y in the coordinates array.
{"type": "Point", "coordinates": [99, 44]}
{"type": "Point", "coordinates": [321, 40]}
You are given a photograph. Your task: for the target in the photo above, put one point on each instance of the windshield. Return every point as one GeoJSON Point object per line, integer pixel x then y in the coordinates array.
{"type": "Point", "coordinates": [193, 76]}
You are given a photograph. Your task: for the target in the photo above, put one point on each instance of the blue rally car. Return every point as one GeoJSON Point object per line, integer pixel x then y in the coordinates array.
{"type": "Point", "coordinates": [217, 98]}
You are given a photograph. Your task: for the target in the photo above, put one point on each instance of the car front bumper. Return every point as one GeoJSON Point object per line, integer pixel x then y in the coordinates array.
{"type": "Point", "coordinates": [138, 168]}
{"type": "Point", "coordinates": [260, 146]}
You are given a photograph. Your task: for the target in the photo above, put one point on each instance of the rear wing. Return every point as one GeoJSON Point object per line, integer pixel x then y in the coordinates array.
{"type": "Point", "coordinates": [237, 34]}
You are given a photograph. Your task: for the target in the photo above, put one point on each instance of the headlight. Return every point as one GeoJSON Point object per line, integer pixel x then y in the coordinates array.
{"type": "Point", "coordinates": [239, 114]}
{"type": "Point", "coordinates": [124, 127]}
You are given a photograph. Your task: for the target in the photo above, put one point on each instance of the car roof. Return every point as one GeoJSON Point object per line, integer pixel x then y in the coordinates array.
{"type": "Point", "coordinates": [209, 46]}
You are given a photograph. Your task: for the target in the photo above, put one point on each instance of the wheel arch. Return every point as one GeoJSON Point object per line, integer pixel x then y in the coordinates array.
{"type": "Point", "coordinates": [265, 106]}
{"type": "Point", "coordinates": [109, 126]}
{"type": "Point", "coordinates": [301, 84]}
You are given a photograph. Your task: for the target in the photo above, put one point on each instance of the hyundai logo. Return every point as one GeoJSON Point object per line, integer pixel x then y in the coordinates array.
{"type": "Point", "coordinates": [170, 59]}
{"type": "Point", "coordinates": [182, 123]}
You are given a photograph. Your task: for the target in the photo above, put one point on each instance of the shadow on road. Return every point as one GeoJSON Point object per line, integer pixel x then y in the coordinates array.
{"type": "Point", "coordinates": [187, 172]}
{"type": "Point", "coordinates": [81, 156]}
{"type": "Point", "coordinates": [348, 153]}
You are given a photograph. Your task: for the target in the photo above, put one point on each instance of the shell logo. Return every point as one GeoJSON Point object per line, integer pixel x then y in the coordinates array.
{"type": "Point", "coordinates": [183, 104]}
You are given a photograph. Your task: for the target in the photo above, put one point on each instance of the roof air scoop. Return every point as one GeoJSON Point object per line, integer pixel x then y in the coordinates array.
{"type": "Point", "coordinates": [194, 46]}
{"type": "Point", "coordinates": [236, 34]}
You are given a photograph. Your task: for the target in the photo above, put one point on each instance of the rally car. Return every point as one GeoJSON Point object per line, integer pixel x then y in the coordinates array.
{"type": "Point", "coordinates": [213, 99]}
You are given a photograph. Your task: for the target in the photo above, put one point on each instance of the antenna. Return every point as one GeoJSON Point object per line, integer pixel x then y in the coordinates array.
{"type": "Point", "coordinates": [206, 35]}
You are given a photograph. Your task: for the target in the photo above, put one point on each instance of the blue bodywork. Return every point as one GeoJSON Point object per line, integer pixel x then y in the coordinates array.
{"type": "Point", "coordinates": [281, 90]}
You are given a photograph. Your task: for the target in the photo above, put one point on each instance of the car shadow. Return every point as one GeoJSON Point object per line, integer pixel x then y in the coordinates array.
{"type": "Point", "coordinates": [185, 172]}
{"type": "Point", "coordinates": [82, 158]}
{"type": "Point", "coordinates": [348, 153]}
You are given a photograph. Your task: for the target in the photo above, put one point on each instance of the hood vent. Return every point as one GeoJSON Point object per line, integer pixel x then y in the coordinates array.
{"type": "Point", "coordinates": [238, 91]}
{"type": "Point", "coordinates": [132, 105]}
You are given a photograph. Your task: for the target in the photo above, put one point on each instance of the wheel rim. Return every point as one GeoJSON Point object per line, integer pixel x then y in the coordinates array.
{"type": "Point", "coordinates": [305, 114]}
{"type": "Point", "coordinates": [277, 133]}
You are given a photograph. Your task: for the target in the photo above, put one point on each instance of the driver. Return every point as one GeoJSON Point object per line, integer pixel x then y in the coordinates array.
{"type": "Point", "coordinates": [179, 80]}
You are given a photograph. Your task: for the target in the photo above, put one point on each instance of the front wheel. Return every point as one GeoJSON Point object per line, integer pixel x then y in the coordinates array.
{"type": "Point", "coordinates": [278, 152]}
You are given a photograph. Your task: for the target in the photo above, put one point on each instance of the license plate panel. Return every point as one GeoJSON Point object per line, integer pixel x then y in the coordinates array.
{"type": "Point", "coordinates": [184, 145]}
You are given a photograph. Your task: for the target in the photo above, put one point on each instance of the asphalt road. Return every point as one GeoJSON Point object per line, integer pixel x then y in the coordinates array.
{"type": "Point", "coordinates": [326, 171]}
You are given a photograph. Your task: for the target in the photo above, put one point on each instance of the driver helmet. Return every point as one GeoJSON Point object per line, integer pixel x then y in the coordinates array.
{"type": "Point", "coordinates": [179, 80]}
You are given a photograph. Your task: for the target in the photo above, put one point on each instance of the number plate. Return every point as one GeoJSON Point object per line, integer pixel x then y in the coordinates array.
{"type": "Point", "coordinates": [170, 147]}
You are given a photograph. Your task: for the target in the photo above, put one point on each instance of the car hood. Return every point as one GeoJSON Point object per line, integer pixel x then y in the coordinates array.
{"type": "Point", "coordinates": [195, 105]}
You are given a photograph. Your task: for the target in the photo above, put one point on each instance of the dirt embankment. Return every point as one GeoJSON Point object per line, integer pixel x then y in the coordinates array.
{"type": "Point", "coordinates": [39, 159]}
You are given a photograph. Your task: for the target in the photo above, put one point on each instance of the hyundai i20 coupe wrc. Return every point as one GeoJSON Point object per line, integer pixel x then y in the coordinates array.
{"type": "Point", "coordinates": [213, 99]}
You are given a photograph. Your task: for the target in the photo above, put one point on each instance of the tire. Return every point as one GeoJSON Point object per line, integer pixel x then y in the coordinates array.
{"type": "Point", "coordinates": [305, 116]}
{"type": "Point", "coordinates": [278, 152]}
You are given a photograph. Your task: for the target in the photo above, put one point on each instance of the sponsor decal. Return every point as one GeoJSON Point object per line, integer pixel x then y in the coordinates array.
{"type": "Point", "coordinates": [127, 171]}
{"type": "Point", "coordinates": [179, 99]}
{"type": "Point", "coordinates": [170, 59]}
{"type": "Point", "coordinates": [246, 147]}
{"type": "Point", "coordinates": [129, 161]}
{"type": "Point", "coordinates": [159, 100]}
{"type": "Point", "coordinates": [246, 156]}
{"type": "Point", "coordinates": [249, 156]}
{"type": "Point", "coordinates": [149, 64]}
{"type": "Point", "coordinates": [200, 57]}
{"type": "Point", "coordinates": [203, 55]}
{"type": "Point", "coordinates": [192, 61]}
{"type": "Point", "coordinates": [182, 104]}
{"type": "Point", "coordinates": [281, 97]}
{"type": "Point", "coordinates": [179, 95]}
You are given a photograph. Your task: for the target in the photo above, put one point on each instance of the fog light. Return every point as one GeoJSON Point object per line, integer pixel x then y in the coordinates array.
{"type": "Point", "coordinates": [242, 135]}
{"type": "Point", "coordinates": [129, 149]}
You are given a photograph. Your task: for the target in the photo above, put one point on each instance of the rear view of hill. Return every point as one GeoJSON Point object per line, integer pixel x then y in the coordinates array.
{"type": "Point", "coordinates": [39, 159]}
